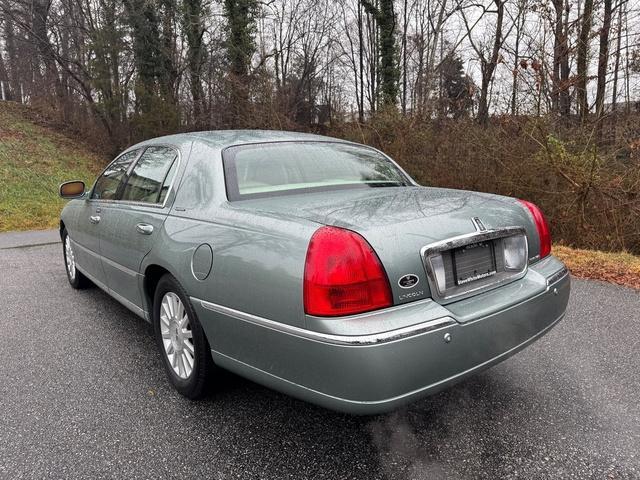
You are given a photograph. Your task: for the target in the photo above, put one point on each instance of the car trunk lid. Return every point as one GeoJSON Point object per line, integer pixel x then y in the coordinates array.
{"type": "Point", "coordinates": [399, 221]}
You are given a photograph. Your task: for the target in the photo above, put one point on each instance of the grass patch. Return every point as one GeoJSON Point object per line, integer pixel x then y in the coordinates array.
{"type": "Point", "coordinates": [619, 268]}
{"type": "Point", "coordinates": [34, 161]}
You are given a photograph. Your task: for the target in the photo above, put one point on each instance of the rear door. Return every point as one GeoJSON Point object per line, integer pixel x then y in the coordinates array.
{"type": "Point", "coordinates": [90, 225]}
{"type": "Point", "coordinates": [132, 224]}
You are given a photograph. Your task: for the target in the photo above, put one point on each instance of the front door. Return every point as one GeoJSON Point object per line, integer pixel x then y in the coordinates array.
{"type": "Point", "coordinates": [85, 236]}
{"type": "Point", "coordinates": [132, 224]}
{"type": "Point", "coordinates": [90, 220]}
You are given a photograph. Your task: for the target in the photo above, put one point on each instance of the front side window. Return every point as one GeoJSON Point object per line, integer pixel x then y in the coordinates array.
{"type": "Point", "coordinates": [106, 187]}
{"type": "Point", "coordinates": [269, 169]}
{"type": "Point", "coordinates": [151, 177]}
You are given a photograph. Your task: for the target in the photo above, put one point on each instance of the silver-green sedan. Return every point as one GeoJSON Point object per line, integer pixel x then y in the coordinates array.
{"type": "Point", "coordinates": [312, 265]}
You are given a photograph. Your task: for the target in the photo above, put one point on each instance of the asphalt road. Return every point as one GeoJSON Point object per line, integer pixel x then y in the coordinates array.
{"type": "Point", "coordinates": [83, 395]}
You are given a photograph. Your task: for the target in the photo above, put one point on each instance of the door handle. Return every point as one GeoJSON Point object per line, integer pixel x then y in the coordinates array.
{"type": "Point", "coordinates": [144, 228]}
{"type": "Point", "coordinates": [94, 218]}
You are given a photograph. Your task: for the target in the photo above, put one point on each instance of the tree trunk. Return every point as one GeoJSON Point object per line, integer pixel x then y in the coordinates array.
{"type": "Point", "coordinates": [40, 9]}
{"type": "Point", "coordinates": [14, 64]}
{"type": "Point", "coordinates": [194, 31]}
{"type": "Point", "coordinates": [520, 21]}
{"type": "Point", "coordinates": [565, 70]}
{"type": "Point", "coordinates": [582, 61]}
{"type": "Point", "coordinates": [168, 69]}
{"type": "Point", "coordinates": [560, 98]}
{"type": "Point", "coordinates": [389, 72]}
{"type": "Point", "coordinates": [4, 77]}
{"type": "Point", "coordinates": [603, 60]}
{"type": "Point", "coordinates": [405, 26]}
{"type": "Point", "coordinates": [488, 67]}
{"type": "Point", "coordinates": [240, 48]}
{"type": "Point", "coordinates": [614, 96]}
{"type": "Point", "coordinates": [361, 65]}
{"type": "Point", "coordinates": [557, 53]}
{"type": "Point", "coordinates": [146, 51]}
{"type": "Point", "coordinates": [386, 21]}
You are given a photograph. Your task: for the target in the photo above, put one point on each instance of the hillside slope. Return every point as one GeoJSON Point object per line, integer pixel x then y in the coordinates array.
{"type": "Point", "coordinates": [34, 160]}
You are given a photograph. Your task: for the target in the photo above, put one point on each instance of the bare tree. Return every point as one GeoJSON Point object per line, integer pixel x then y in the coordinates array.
{"type": "Point", "coordinates": [603, 59]}
{"type": "Point", "coordinates": [519, 22]}
{"type": "Point", "coordinates": [488, 63]}
{"type": "Point", "coordinates": [616, 69]}
{"type": "Point", "coordinates": [582, 61]}
{"type": "Point", "coordinates": [561, 99]}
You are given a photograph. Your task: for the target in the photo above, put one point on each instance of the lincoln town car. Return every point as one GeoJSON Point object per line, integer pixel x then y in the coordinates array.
{"type": "Point", "coordinates": [315, 266]}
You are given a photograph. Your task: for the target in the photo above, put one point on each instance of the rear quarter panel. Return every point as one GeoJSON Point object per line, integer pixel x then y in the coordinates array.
{"type": "Point", "coordinates": [258, 260]}
{"type": "Point", "coordinates": [256, 268]}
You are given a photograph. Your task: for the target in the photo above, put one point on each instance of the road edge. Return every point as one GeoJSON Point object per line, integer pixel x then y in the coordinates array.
{"type": "Point", "coordinates": [31, 238]}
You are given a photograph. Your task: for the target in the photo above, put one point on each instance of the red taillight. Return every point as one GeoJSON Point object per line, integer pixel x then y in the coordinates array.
{"type": "Point", "coordinates": [343, 275]}
{"type": "Point", "coordinates": [542, 226]}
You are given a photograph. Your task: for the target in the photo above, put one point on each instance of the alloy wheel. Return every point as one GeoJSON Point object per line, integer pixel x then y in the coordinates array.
{"type": "Point", "coordinates": [70, 258]}
{"type": "Point", "coordinates": [177, 336]}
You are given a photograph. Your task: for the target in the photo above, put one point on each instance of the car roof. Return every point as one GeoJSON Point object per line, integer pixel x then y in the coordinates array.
{"type": "Point", "coordinates": [226, 138]}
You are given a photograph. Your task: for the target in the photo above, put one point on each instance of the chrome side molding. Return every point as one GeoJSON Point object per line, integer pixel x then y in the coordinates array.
{"type": "Point", "coordinates": [556, 277]}
{"type": "Point", "coordinates": [349, 340]}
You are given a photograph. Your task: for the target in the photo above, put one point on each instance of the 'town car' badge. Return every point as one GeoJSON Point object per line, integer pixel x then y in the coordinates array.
{"type": "Point", "coordinates": [408, 281]}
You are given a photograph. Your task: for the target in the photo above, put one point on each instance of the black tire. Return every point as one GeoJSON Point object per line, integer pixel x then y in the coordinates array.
{"type": "Point", "coordinates": [78, 280]}
{"type": "Point", "coordinates": [195, 385]}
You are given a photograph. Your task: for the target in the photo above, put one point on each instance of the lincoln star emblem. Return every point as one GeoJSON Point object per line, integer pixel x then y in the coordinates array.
{"type": "Point", "coordinates": [408, 281]}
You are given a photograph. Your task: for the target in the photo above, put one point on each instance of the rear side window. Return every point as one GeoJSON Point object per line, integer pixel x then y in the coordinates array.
{"type": "Point", "coordinates": [106, 187]}
{"type": "Point", "coordinates": [151, 177]}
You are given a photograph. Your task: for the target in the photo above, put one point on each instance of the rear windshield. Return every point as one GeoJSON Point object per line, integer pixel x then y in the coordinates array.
{"type": "Point", "coordinates": [269, 169]}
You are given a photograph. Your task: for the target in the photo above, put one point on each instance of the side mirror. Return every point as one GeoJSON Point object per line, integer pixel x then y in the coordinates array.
{"type": "Point", "coordinates": [74, 189]}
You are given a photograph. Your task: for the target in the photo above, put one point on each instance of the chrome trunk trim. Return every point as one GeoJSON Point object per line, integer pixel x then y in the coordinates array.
{"type": "Point", "coordinates": [467, 239]}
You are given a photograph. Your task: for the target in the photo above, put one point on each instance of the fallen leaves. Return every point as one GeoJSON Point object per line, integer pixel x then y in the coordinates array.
{"type": "Point", "coordinates": [620, 268]}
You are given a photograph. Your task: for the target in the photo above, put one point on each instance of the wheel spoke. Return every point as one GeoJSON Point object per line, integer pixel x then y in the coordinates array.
{"type": "Point", "coordinates": [187, 333]}
{"type": "Point", "coordinates": [188, 364]}
{"type": "Point", "coordinates": [174, 306]}
{"type": "Point", "coordinates": [170, 305]}
{"type": "Point", "coordinates": [174, 359]}
{"type": "Point", "coordinates": [167, 313]}
{"type": "Point", "coordinates": [189, 356]}
{"type": "Point", "coordinates": [188, 347]}
{"type": "Point", "coordinates": [180, 365]}
{"type": "Point", "coordinates": [180, 311]}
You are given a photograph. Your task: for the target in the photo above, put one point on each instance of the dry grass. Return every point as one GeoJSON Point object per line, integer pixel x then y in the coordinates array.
{"type": "Point", "coordinates": [619, 268]}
